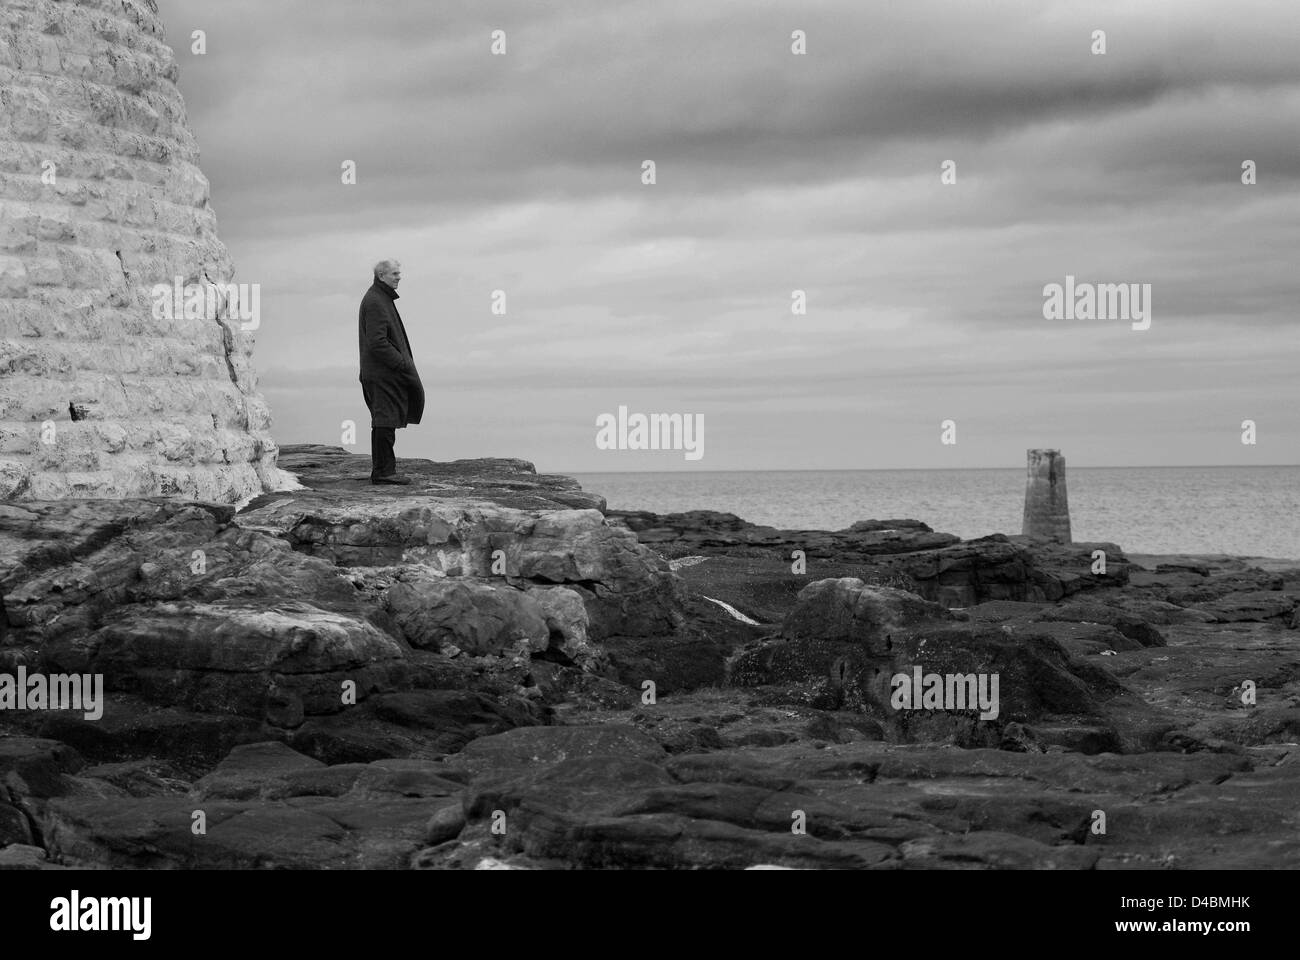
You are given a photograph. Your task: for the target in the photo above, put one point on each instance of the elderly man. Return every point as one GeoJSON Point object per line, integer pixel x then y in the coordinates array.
{"type": "Point", "coordinates": [389, 382]}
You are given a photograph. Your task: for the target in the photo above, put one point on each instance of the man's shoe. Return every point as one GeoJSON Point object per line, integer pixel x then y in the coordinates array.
{"type": "Point", "coordinates": [394, 480]}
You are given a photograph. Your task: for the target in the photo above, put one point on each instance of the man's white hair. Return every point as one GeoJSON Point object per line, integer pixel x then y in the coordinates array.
{"type": "Point", "coordinates": [385, 266]}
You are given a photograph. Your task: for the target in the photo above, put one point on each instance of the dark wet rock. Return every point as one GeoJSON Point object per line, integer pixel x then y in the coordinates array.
{"type": "Point", "coordinates": [264, 807]}
{"type": "Point", "coordinates": [247, 770]}
{"type": "Point", "coordinates": [1189, 584]}
{"type": "Point", "coordinates": [417, 723]}
{"type": "Point", "coordinates": [564, 684]}
{"type": "Point", "coordinates": [14, 827]}
{"type": "Point", "coordinates": [843, 727]}
{"type": "Point", "coordinates": [763, 584]}
{"type": "Point", "coordinates": [1197, 680]}
{"type": "Point", "coordinates": [141, 778]}
{"type": "Point", "coordinates": [530, 746]}
{"type": "Point", "coordinates": [744, 767]}
{"type": "Point", "coordinates": [446, 823]}
{"type": "Point", "coordinates": [1084, 628]}
{"type": "Point", "coordinates": [1160, 612]}
{"type": "Point", "coordinates": [473, 616]}
{"type": "Point", "coordinates": [1201, 570]}
{"type": "Point", "coordinates": [1129, 624]}
{"type": "Point", "coordinates": [1050, 820]}
{"type": "Point", "coordinates": [692, 659]}
{"type": "Point", "coordinates": [848, 610]}
{"type": "Point", "coordinates": [568, 626]}
{"type": "Point", "coordinates": [470, 713]}
{"type": "Point", "coordinates": [622, 812]}
{"type": "Point", "coordinates": [500, 633]}
{"type": "Point", "coordinates": [143, 551]}
{"type": "Point", "coordinates": [676, 733]}
{"type": "Point", "coordinates": [998, 611]}
{"type": "Point", "coordinates": [157, 833]}
{"type": "Point", "coordinates": [379, 779]}
{"type": "Point", "coordinates": [275, 661]}
{"type": "Point", "coordinates": [603, 795]}
{"type": "Point", "coordinates": [1019, 738]}
{"type": "Point", "coordinates": [683, 663]}
{"type": "Point", "coordinates": [1078, 738]}
{"type": "Point", "coordinates": [1255, 606]}
{"type": "Point", "coordinates": [1220, 585]}
{"type": "Point", "coordinates": [989, 849]}
{"type": "Point", "coordinates": [20, 856]}
{"type": "Point", "coordinates": [845, 640]}
{"type": "Point", "coordinates": [36, 767]}
{"type": "Point", "coordinates": [1007, 568]}
{"type": "Point", "coordinates": [132, 728]}
{"type": "Point", "coordinates": [681, 534]}
{"type": "Point", "coordinates": [1080, 639]}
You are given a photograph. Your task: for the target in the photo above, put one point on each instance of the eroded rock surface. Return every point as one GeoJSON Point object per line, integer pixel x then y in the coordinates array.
{"type": "Point", "coordinates": [533, 686]}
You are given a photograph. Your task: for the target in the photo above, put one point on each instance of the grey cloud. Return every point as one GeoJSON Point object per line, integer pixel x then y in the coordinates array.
{"type": "Point", "coordinates": [775, 172]}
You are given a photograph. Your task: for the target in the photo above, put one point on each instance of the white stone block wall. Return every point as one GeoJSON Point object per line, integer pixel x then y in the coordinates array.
{"type": "Point", "coordinates": [165, 406]}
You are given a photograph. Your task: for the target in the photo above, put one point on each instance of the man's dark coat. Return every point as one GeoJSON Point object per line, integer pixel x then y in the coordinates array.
{"type": "Point", "coordinates": [389, 381]}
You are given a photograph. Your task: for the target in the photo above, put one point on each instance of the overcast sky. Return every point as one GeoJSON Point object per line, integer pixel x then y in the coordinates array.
{"type": "Point", "coordinates": [776, 172]}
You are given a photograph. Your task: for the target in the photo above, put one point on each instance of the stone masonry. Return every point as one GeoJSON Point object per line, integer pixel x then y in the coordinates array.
{"type": "Point", "coordinates": [1047, 509]}
{"type": "Point", "coordinates": [101, 199]}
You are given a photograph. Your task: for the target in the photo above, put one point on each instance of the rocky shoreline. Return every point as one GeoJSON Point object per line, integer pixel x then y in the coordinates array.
{"type": "Point", "coordinates": [490, 669]}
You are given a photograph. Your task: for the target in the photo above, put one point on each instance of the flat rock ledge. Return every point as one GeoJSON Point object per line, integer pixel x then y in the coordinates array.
{"type": "Point", "coordinates": [504, 481]}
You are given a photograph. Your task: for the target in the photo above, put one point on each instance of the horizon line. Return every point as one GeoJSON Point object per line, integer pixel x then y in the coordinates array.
{"type": "Point", "coordinates": [1172, 466]}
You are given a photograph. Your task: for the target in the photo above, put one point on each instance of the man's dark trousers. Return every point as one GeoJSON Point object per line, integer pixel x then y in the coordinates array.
{"type": "Point", "coordinates": [383, 462]}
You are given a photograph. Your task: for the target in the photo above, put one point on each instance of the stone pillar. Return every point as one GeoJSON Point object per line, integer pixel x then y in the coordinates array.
{"type": "Point", "coordinates": [101, 201]}
{"type": "Point", "coordinates": [1047, 510]}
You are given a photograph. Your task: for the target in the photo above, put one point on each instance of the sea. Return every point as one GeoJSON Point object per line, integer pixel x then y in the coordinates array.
{"type": "Point", "coordinates": [1249, 511]}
